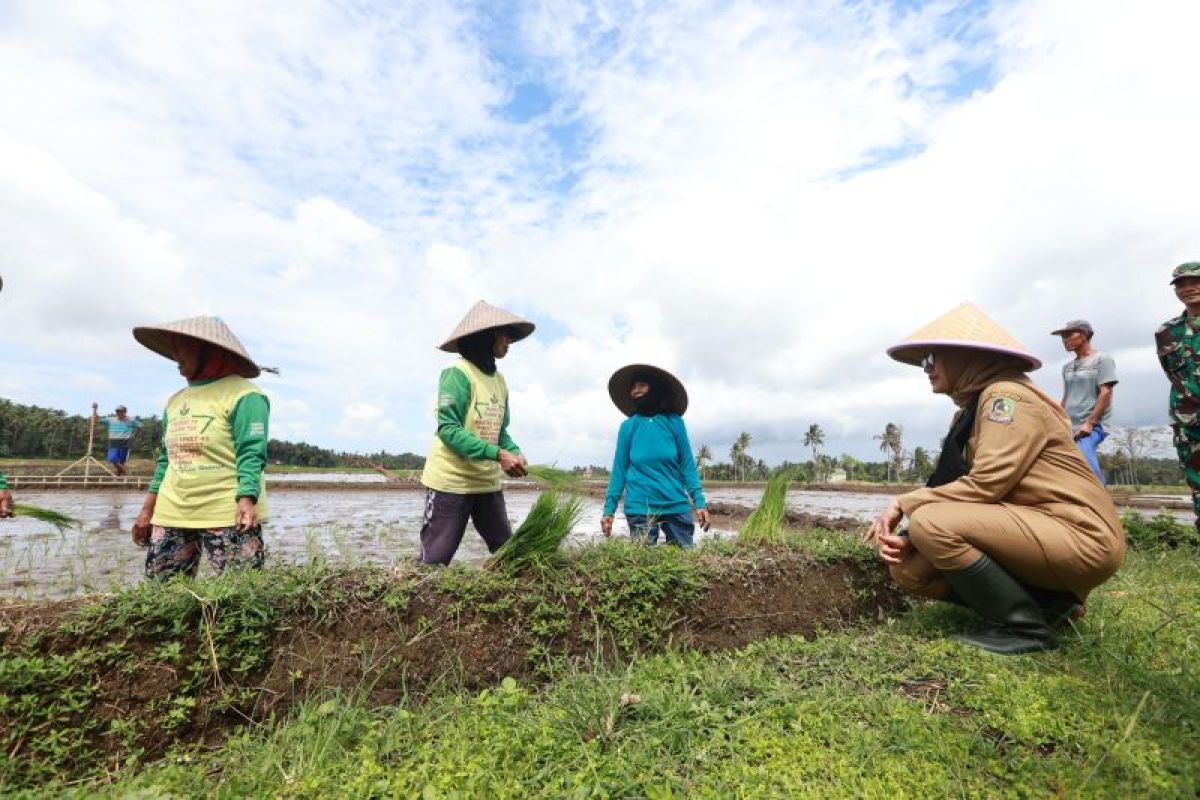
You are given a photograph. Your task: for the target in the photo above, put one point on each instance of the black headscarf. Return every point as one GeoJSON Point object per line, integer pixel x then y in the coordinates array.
{"type": "Point", "coordinates": [479, 349]}
{"type": "Point", "coordinates": [952, 461]}
{"type": "Point", "coordinates": [654, 401]}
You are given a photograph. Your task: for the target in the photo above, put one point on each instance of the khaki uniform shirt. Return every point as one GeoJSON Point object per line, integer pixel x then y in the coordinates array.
{"type": "Point", "coordinates": [1021, 455]}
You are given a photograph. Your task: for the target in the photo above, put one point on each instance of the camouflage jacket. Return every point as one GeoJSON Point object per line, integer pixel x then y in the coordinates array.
{"type": "Point", "coordinates": [1178, 342]}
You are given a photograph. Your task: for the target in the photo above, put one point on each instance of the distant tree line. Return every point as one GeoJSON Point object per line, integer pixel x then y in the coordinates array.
{"type": "Point", "coordinates": [35, 432]}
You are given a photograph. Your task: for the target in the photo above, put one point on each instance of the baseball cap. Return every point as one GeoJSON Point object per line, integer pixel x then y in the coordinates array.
{"type": "Point", "coordinates": [1080, 325]}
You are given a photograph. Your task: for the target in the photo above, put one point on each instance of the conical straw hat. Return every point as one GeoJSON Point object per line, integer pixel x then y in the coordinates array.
{"type": "Point", "coordinates": [622, 380]}
{"type": "Point", "coordinates": [484, 315]}
{"type": "Point", "coordinates": [211, 330]}
{"type": "Point", "coordinates": [963, 326]}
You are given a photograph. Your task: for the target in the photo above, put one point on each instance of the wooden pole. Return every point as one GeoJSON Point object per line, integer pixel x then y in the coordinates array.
{"type": "Point", "coordinates": [87, 464]}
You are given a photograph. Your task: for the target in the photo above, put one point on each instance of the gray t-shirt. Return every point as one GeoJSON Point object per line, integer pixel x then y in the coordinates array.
{"type": "Point", "coordinates": [1082, 379]}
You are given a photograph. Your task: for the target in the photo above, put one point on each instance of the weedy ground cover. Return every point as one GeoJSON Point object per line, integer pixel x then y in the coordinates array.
{"type": "Point", "coordinates": [99, 687]}
{"type": "Point", "coordinates": [891, 710]}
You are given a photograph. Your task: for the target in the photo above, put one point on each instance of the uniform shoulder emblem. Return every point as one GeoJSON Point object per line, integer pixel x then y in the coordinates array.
{"type": "Point", "coordinates": [1001, 409]}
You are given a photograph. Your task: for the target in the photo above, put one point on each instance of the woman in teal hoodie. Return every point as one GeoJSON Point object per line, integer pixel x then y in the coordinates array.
{"type": "Point", "coordinates": [653, 466]}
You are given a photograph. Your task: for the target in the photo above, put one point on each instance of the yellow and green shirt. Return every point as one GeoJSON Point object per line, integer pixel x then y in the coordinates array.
{"type": "Point", "coordinates": [472, 428]}
{"type": "Point", "coordinates": [214, 450]}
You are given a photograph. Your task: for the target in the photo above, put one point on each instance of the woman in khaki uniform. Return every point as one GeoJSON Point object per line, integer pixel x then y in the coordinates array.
{"type": "Point", "coordinates": [1013, 523]}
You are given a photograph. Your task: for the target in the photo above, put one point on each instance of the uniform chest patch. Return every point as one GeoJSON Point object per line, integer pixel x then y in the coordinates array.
{"type": "Point", "coordinates": [1002, 410]}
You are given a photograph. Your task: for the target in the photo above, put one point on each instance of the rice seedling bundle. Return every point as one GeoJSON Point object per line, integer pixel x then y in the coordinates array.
{"type": "Point", "coordinates": [552, 476]}
{"type": "Point", "coordinates": [548, 523]}
{"type": "Point", "coordinates": [765, 525]}
{"type": "Point", "coordinates": [49, 516]}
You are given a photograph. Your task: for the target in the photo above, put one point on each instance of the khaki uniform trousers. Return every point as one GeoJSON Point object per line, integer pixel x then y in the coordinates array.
{"type": "Point", "coordinates": [1033, 546]}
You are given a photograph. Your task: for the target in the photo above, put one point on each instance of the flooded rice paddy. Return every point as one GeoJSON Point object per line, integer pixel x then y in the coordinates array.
{"type": "Point", "coordinates": [348, 526]}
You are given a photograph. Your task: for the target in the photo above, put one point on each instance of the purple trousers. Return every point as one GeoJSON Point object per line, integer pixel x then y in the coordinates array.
{"type": "Point", "coordinates": [445, 522]}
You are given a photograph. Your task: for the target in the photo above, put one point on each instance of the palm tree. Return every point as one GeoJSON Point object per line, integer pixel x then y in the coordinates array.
{"type": "Point", "coordinates": [737, 454]}
{"type": "Point", "coordinates": [921, 465]}
{"type": "Point", "coordinates": [892, 439]}
{"type": "Point", "coordinates": [813, 439]}
{"type": "Point", "coordinates": [703, 456]}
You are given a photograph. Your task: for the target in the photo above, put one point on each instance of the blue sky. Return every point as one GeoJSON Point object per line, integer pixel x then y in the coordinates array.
{"type": "Point", "coordinates": [760, 196]}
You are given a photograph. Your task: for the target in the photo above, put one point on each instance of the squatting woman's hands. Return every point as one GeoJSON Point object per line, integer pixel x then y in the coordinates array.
{"type": "Point", "coordinates": [247, 514]}
{"type": "Point", "coordinates": [892, 548]}
{"type": "Point", "coordinates": [606, 526]}
{"type": "Point", "coordinates": [885, 523]}
{"type": "Point", "coordinates": [6, 503]}
{"type": "Point", "coordinates": [701, 515]}
{"type": "Point", "coordinates": [513, 466]}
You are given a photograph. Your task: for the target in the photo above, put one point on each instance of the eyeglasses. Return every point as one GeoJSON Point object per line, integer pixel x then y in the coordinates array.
{"type": "Point", "coordinates": [927, 363]}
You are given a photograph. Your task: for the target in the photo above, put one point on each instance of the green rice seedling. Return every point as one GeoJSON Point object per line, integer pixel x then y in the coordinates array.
{"type": "Point", "coordinates": [548, 523]}
{"type": "Point", "coordinates": [765, 525]}
{"type": "Point", "coordinates": [49, 516]}
{"type": "Point", "coordinates": [552, 476]}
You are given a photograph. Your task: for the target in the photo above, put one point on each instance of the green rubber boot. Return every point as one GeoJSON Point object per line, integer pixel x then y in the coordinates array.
{"type": "Point", "coordinates": [1058, 607]}
{"type": "Point", "coordinates": [988, 589]}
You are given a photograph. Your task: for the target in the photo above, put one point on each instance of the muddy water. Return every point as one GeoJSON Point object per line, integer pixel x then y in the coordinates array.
{"type": "Point", "coordinates": [346, 525]}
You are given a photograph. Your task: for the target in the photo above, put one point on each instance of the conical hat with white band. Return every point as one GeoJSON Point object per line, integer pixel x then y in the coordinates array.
{"type": "Point", "coordinates": [484, 315]}
{"type": "Point", "coordinates": [210, 330]}
{"type": "Point", "coordinates": [964, 326]}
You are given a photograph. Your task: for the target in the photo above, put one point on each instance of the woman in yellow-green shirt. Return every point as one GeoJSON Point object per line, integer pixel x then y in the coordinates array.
{"type": "Point", "coordinates": [207, 493]}
{"type": "Point", "coordinates": [472, 446]}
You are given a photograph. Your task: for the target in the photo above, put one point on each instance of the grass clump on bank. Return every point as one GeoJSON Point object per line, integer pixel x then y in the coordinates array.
{"type": "Point", "coordinates": [1160, 532]}
{"type": "Point", "coordinates": [766, 523]}
{"type": "Point", "coordinates": [897, 710]}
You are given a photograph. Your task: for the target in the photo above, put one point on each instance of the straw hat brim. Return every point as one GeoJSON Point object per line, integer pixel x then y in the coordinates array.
{"type": "Point", "coordinates": [520, 329]}
{"type": "Point", "coordinates": [967, 327]}
{"type": "Point", "coordinates": [158, 339]}
{"type": "Point", "coordinates": [619, 385]}
{"type": "Point", "coordinates": [912, 352]}
{"type": "Point", "coordinates": [484, 316]}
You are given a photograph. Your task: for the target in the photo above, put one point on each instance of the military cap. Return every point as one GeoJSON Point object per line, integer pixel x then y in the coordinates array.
{"type": "Point", "coordinates": [1191, 269]}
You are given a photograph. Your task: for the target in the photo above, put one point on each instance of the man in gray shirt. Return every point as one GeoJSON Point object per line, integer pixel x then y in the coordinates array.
{"type": "Point", "coordinates": [1088, 382]}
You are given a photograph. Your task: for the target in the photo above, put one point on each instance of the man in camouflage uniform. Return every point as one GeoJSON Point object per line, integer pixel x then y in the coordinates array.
{"type": "Point", "coordinates": [1178, 342]}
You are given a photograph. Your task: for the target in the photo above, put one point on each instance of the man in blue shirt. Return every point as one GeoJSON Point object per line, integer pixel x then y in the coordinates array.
{"type": "Point", "coordinates": [1088, 381]}
{"type": "Point", "coordinates": [120, 431]}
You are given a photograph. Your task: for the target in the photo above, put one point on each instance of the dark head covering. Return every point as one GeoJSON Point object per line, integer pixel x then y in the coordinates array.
{"type": "Point", "coordinates": [666, 391]}
{"type": "Point", "coordinates": [479, 349]}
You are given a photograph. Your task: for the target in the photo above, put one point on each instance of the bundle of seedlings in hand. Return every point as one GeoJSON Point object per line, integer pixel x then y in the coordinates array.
{"type": "Point", "coordinates": [55, 518]}
{"type": "Point", "coordinates": [549, 522]}
{"type": "Point", "coordinates": [765, 525]}
{"type": "Point", "coordinates": [551, 476]}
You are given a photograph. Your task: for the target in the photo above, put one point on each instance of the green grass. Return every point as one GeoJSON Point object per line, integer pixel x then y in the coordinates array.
{"type": "Point", "coordinates": [893, 710]}
{"type": "Point", "coordinates": [1160, 532]}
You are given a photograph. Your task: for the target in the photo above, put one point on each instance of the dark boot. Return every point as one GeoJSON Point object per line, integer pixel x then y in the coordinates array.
{"type": "Point", "coordinates": [1057, 606]}
{"type": "Point", "coordinates": [990, 591]}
